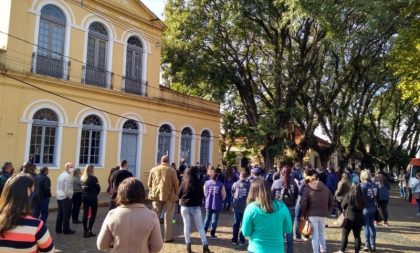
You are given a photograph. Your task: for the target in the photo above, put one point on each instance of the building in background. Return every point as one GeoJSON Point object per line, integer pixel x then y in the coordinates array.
{"type": "Point", "coordinates": [80, 84]}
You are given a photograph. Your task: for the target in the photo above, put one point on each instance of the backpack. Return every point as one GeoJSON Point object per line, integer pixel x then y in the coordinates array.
{"type": "Point", "coordinates": [286, 196]}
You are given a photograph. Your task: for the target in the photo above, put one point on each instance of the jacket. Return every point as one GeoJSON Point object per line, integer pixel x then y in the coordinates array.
{"type": "Point", "coordinates": [163, 183]}
{"type": "Point", "coordinates": [370, 191]}
{"type": "Point", "coordinates": [90, 188]}
{"type": "Point", "coordinates": [191, 196]}
{"type": "Point", "coordinates": [342, 189]}
{"type": "Point", "coordinates": [317, 200]}
{"type": "Point", "coordinates": [352, 213]}
{"type": "Point", "coordinates": [130, 228]}
{"type": "Point", "coordinates": [64, 186]}
{"type": "Point", "coordinates": [44, 186]}
{"type": "Point", "coordinates": [266, 230]}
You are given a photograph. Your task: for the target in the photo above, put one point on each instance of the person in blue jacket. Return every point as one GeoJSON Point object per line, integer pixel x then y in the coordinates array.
{"type": "Point", "coordinates": [265, 220]}
{"type": "Point", "coordinates": [370, 191]}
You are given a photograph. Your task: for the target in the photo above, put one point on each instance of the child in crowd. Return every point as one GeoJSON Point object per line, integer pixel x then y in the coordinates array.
{"type": "Point", "coordinates": [240, 191]}
{"type": "Point", "coordinates": [215, 193]}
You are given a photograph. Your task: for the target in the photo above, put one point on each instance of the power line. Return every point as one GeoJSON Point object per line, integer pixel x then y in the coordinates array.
{"type": "Point", "coordinates": [87, 105]}
{"type": "Point", "coordinates": [79, 74]}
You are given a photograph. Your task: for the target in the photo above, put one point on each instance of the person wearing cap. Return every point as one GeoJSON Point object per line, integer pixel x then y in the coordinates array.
{"type": "Point", "coordinates": [255, 173]}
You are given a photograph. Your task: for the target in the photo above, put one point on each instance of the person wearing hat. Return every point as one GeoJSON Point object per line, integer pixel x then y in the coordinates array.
{"type": "Point", "coordinates": [255, 173]}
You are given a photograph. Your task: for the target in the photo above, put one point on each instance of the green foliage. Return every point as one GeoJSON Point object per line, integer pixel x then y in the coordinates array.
{"type": "Point", "coordinates": [406, 55]}
{"type": "Point", "coordinates": [273, 64]}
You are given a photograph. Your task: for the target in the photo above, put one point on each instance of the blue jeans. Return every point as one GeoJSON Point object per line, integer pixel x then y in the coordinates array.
{"type": "Point", "coordinates": [297, 216]}
{"type": "Point", "coordinates": [370, 231]}
{"type": "Point", "coordinates": [237, 222]}
{"type": "Point", "coordinates": [41, 208]}
{"type": "Point", "coordinates": [213, 216]}
{"type": "Point", "coordinates": [289, 236]}
{"type": "Point", "coordinates": [190, 214]}
{"type": "Point", "coordinates": [402, 192]}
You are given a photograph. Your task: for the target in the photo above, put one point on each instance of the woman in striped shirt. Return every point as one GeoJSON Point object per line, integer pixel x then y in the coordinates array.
{"type": "Point", "coordinates": [19, 232]}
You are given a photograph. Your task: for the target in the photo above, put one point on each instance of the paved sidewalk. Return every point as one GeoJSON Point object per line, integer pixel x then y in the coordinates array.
{"type": "Point", "coordinates": [403, 235]}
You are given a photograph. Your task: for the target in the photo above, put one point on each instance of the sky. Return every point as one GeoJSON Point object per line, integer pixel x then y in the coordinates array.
{"type": "Point", "coordinates": [157, 6]}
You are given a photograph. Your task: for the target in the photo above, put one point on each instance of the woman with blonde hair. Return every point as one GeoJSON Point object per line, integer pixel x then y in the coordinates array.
{"type": "Point", "coordinates": [91, 189]}
{"type": "Point", "coordinates": [370, 192]}
{"type": "Point", "coordinates": [265, 220]}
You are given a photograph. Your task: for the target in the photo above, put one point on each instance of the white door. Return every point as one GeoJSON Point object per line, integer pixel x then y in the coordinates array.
{"type": "Point", "coordinates": [129, 151]}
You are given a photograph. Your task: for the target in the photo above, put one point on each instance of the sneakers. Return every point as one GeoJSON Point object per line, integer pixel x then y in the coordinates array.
{"type": "Point", "coordinates": [386, 224]}
{"type": "Point", "coordinates": [366, 249]}
{"type": "Point", "coordinates": [242, 243]}
{"type": "Point", "coordinates": [339, 251]}
{"type": "Point", "coordinates": [212, 237]}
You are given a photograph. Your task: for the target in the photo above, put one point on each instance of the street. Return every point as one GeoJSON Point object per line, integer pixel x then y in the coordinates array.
{"type": "Point", "coordinates": [402, 236]}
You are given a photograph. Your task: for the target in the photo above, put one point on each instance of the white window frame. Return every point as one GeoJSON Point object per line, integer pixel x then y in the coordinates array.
{"type": "Point", "coordinates": [210, 146]}
{"type": "Point", "coordinates": [35, 9]}
{"type": "Point", "coordinates": [27, 118]}
{"type": "Point", "coordinates": [111, 36]}
{"type": "Point", "coordinates": [193, 138]}
{"type": "Point", "coordinates": [173, 138]}
{"type": "Point", "coordinates": [105, 124]}
{"type": "Point", "coordinates": [146, 52]}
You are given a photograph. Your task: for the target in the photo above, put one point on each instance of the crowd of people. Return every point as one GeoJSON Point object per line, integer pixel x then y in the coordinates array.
{"type": "Point", "coordinates": [268, 208]}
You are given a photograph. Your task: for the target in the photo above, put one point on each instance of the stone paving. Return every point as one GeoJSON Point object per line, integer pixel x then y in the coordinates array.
{"type": "Point", "coordinates": [403, 235]}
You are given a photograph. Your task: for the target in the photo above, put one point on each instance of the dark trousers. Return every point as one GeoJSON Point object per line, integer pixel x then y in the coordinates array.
{"type": "Point", "coordinates": [93, 205]}
{"type": "Point", "coordinates": [41, 208]}
{"type": "Point", "coordinates": [350, 226]}
{"type": "Point", "coordinates": [237, 221]}
{"type": "Point", "coordinates": [77, 202]}
{"type": "Point", "coordinates": [63, 216]}
{"type": "Point", "coordinates": [383, 205]}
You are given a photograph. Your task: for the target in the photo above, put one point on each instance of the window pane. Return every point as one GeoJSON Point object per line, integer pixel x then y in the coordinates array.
{"type": "Point", "coordinates": [91, 51]}
{"type": "Point", "coordinates": [57, 41]}
{"type": "Point", "coordinates": [101, 54]}
{"type": "Point", "coordinates": [43, 38]}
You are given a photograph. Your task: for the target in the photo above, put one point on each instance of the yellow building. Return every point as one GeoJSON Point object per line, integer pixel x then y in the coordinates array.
{"type": "Point", "coordinates": [79, 82]}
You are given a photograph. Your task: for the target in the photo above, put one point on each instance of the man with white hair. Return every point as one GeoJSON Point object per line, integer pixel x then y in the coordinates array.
{"type": "Point", "coordinates": [163, 191]}
{"type": "Point", "coordinates": [64, 195]}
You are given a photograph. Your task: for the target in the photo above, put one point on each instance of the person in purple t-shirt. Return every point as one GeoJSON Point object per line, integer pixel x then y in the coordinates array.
{"type": "Point", "coordinates": [215, 193]}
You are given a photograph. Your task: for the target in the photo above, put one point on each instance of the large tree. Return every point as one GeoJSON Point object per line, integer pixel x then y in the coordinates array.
{"type": "Point", "coordinates": [304, 62]}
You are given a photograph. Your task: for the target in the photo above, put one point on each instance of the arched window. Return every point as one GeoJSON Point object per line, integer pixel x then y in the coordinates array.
{"type": "Point", "coordinates": [134, 66]}
{"type": "Point", "coordinates": [95, 70]}
{"type": "Point", "coordinates": [186, 145]}
{"type": "Point", "coordinates": [91, 139]}
{"type": "Point", "coordinates": [131, 125]}
{"type": "Point", "coordinates": [51, 37]}
{"type": "Point", "coordinates": [164, 141]}
{"type": "Point", "coordinates": [43, 137]}
{"type": "Point", "coordinates": [205, 147]}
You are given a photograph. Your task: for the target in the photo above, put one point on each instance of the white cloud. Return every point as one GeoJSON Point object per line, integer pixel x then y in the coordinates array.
{"type": "Point", "coordinates": [157, 6]}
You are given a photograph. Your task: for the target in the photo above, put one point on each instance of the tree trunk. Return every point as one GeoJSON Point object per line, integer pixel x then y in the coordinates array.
{"type": "Point", "coordinates": [268, 157]}
{"type": "Point", "coordinates": [324, 157]}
